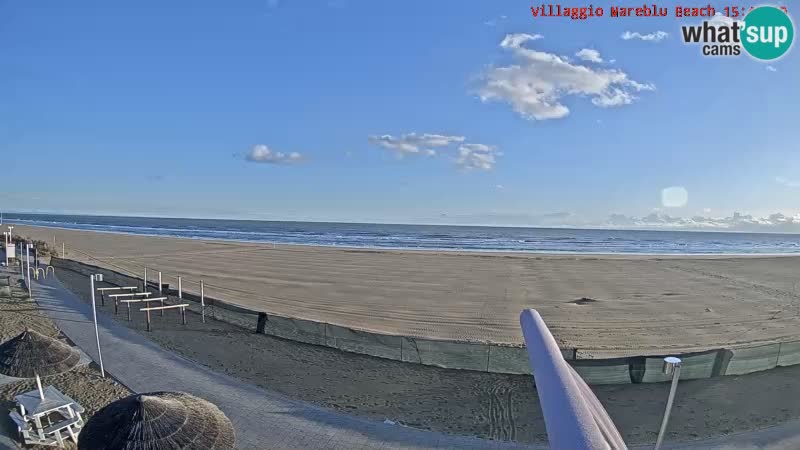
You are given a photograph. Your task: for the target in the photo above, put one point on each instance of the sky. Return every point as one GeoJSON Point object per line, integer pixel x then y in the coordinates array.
{"type": "Point", "coordinates": [411, 112]}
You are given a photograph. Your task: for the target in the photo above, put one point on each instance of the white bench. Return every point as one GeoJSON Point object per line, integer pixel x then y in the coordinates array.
{"type": "Point", "coordinates": [142, 300]}
{"type": "Point", "coordinates": [182, 306]}
{"type": "Point", "coordinates": [116, 297]}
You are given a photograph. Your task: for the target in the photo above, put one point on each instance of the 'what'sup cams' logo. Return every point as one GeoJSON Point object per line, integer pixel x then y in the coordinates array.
{"type": "Point", "coordinates": [766, 33]}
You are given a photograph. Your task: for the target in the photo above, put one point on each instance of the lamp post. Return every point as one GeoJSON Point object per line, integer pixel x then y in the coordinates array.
{"type": "Point", "coordinates": [203, 300]}
{"type": "Point", "coordinates": [672, 366]}
{"type": "Point", "coordinates": [5, 240]}
{"type": "Point", "coordinates": [28, 271]}
{"type": "Point", "coordinates": [92, 279]}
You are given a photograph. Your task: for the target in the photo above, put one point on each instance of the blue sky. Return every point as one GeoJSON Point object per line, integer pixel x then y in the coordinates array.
{"type": "Point", "coordinates": [314, 110]}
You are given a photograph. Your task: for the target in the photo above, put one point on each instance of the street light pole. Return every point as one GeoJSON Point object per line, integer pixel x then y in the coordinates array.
{"type": "Point", "coordinates": [99, 277]}
{"type": "Point", "coordinates": [5, 239]}
{"type": "Point", "coordinates": [28, 258]}
{"type": "Point", "coordinates": [672, 366]}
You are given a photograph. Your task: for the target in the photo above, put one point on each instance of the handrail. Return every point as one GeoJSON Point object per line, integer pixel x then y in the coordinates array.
{"type": "Point", "coordinates": [573, 416]}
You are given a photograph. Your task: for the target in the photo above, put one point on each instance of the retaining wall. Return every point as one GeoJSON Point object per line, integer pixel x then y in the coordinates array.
{"type": "Point", "coordinates": [470, 355]}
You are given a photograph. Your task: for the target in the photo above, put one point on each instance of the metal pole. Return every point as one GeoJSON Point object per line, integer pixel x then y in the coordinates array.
{"type": "Point", "coordinates": [180, 288]}
{"type": "Point", "coordinates": [202, 301]}
{"type": "Point", "coordinates": [144, 280]}
{"type": "Point", "coordinates": [159, 283]}
{"type": "Point", "coordinates": [96, 331]}
{"type": "Point", "coordinates": [671, 365]}
{"type": "Point", "coordinates": [28, 257]}
{"type": "Point", "coordinates": [63, 250]}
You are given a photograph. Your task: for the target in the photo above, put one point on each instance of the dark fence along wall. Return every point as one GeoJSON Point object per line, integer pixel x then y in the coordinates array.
{"type": "Point", "coordinates": [466, 355]}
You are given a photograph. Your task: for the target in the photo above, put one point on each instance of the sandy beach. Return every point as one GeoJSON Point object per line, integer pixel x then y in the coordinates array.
{"type": "Point", "coordinates": [488, 405]}
{"type": "Point", "coordinates": [636, 304]}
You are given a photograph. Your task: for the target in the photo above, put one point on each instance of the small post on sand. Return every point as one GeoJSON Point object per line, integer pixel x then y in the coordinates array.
{"type": "Point", "coordinates": [202, 301]}
{"type": "Point", "coordinates": [180, 288]}
{"type": "Point", "coordinates": [28, 257]}
{"type": "Point", "coordinates": [63, 250]}
{"type": "Point", "coordinates": [159, 283]}
{"type": "Point", "coordinates": [144, 280]}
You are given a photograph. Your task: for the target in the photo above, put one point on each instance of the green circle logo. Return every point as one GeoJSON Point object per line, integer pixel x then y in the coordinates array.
{"type": "Point", "coordinates": [767, 33]}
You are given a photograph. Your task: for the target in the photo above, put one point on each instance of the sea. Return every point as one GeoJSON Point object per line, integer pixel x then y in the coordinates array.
{"type": "Point", "coordinates": [432, 237]}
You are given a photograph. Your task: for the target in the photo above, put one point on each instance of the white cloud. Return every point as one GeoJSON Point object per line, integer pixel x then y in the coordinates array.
{"type": "Point", "coordinates": [535, 86]}
{"type": "Point", "coordinates": [517, 39]}
{"type": "Point", "coordinates": [720, 19]}
{"type": "Point", "coordinates": [493, 22]}
{"type": "Point", "coordinates": [777, 222]}
{"type": "Point", "coordinates": [467, 155]}
{"type": "Point", "coordinates": [772, 69]}
{"type": "Point", "coordinates": [500, 187]}
{"type": "Point", "coordinates": [414, 143]}
{"type": "Point", "coordinates": [588, 54]}
{"type": "Point", "coordinates": [656, 36]}
{"type": "Point", "coordinates": [787, 182]}
{"type": "Point", "coordinates": [476, 156]}
{"type": "Point", "coordinates": [263, 154]}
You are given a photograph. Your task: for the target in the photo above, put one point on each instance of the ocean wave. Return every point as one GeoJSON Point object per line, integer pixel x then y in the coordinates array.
{"type": "Point", "coordinates": [433, 237]}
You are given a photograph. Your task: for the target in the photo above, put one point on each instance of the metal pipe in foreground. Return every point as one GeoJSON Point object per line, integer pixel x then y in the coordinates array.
{"type": "Point", "coordinates": [573, 416]}
{"type": "Point", "coordinates": [672, 366]}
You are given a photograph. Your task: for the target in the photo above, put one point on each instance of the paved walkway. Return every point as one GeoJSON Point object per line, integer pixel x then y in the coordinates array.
{"type": "Point", "coordinates": [266, 420]}
{"type": "Point", "coordinates": [262, 419]}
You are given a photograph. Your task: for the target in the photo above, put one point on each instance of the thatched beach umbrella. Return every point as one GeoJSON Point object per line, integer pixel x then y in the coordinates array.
{"type": "Point", "coordinates": [158, 421]}
{"type": "Point", "coordinates": [32, 353]}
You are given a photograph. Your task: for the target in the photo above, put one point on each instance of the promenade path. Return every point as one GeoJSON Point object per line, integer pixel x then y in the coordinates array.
{"type": "Point", "coordinates": [262, 419]}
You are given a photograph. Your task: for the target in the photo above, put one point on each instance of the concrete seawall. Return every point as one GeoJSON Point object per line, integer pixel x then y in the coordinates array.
{"type": "Point", "coordinates": [476, 356]}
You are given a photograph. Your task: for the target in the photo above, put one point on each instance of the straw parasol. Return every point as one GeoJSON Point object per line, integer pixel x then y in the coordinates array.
{"type": "Point", "coordinates": [158, 421]}
{"type": "Point", "coordinates": [32, 353]}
